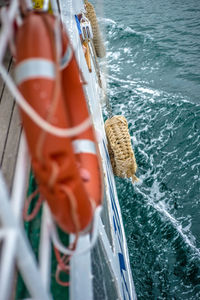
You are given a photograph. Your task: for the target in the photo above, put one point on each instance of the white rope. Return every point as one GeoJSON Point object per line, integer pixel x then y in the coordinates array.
{"type": "Point", "coordinates": [61, 132]}
{"type": "Point", "coordinates": [95, 230]}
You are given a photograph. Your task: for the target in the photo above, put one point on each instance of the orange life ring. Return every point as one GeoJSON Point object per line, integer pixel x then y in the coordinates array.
{"type": "Point", "coordinates": [55, 165]}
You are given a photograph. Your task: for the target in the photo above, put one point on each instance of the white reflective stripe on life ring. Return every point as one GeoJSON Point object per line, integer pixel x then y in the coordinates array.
{"type": "Point", "coordinates": [34, 68]}
{"type": "Point", "coordinates": [84, 146]}
{"type": "Point", "coordinates": [66, 58]}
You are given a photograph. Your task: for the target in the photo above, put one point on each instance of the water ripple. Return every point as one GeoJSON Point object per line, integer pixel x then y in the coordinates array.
{"type": "Point", "coordinates": [153, 56]}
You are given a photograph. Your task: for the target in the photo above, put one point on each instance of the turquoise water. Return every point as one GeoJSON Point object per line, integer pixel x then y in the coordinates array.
{"type": "Point", "coordinates": [153, 54]}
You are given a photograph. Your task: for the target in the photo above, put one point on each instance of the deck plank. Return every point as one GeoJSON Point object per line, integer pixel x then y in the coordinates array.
{"type": "Point", "coordinates": [11, 147]}
{"type": "Point", "coordinates": [6, 112]}
{"type": "Point", "coordinates": [10, 129]}
{"type": "Point", "coordinates": [7, 65]}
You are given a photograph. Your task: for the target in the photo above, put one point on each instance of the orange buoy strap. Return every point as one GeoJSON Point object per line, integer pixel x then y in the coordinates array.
{"type": "Point", "coordinates": [84, 146]}
{"type": "Point", "coordinates": [94, 234]}
{"type": "Point", "coordinates": [65, 60]}
{"type": "Point", "coordinates": [35, 68]}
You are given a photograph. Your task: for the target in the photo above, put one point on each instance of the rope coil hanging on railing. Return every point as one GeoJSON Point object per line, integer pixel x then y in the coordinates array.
{"type": "Point", "coordinates": [120, 149]}
{"type": "Point", "coordinates": [97, 37]}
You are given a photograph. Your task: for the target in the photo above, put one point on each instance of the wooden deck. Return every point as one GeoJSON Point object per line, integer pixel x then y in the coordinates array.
{"type": "Point", "coordinates": [10, 127]}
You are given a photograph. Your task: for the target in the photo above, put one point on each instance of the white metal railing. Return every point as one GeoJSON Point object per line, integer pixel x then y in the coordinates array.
{"type": "Point", "coordinates": [16, 247]}
{"type": "Point", "coordinates": [7, 27]}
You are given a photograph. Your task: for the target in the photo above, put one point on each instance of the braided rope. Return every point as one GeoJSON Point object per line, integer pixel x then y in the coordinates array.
{"type": "Point", "coordinates": [97, 37]}
{"type": "Point", "coordinates": [120, 149]}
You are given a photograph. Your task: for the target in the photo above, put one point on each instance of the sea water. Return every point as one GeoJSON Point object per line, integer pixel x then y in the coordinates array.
{"type": "Point", "coordinates": [153, 55]}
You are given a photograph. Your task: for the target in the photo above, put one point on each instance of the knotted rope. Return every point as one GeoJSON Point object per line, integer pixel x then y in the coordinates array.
{"type": "Point", "coordinates": [120, 149]}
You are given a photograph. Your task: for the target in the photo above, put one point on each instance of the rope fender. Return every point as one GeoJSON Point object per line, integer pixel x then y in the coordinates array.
{"type": "Point", "coordinates": [120, 149]}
